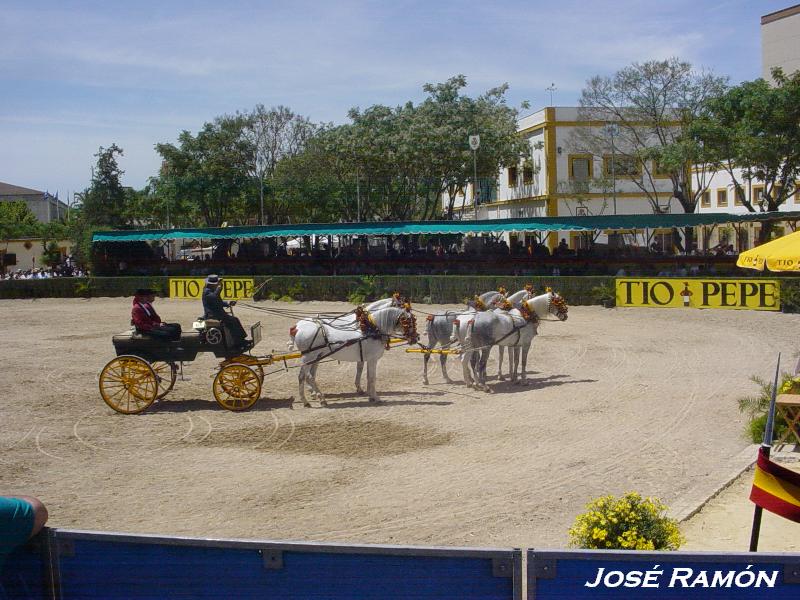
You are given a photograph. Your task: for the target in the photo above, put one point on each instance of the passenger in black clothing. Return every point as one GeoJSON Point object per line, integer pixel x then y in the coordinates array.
{"type": "Point", "coordinates": [214, 308]}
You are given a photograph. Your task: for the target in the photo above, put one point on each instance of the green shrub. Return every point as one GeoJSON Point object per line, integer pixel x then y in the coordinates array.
{"type": "Point", "coordinates": [286, 298]}
{"type": "Point", "coordinates": [364, 290]}
{"type": "Point", "coordinates": [626, 523]}
{"type": "Point", "coordinates": [83, 289]}
{"type": "Point", "coordinates": [790, 295]}
{"type": "Point", "coordinates": [604, 294]}
{"type": "Point", "coordinates": [755, 407]}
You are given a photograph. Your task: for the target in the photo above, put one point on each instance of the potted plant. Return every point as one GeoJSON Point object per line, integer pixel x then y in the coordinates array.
{"type": "Point", "coordinates": [604, 294]}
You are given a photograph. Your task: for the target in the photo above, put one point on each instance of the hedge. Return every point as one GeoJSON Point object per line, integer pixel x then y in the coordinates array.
{"type": "Point", "coordinates": [420, 288]}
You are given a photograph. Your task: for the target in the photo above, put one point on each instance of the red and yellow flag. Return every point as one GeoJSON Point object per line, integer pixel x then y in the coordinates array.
{"type": "Point", "coordinates": [776, 488]}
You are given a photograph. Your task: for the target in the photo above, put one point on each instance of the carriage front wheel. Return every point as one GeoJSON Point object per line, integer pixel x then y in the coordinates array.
{"type": "Point", "coordinates": [128, 384]}
{"type": "Point", "coordinates": [237, 387]}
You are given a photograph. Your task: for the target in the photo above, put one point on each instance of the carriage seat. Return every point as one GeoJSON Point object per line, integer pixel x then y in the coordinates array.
{"type": "Point", "coordinates": [201, 324]}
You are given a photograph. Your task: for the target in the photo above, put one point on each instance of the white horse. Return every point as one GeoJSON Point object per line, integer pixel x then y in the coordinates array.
{"type": "Point", "coordinates": [495, 328]}
{"type": "Point", "coordinates": [439, 328]}
{"type": "Point", "coordinates": [364, 339]}
{"type": "Point", "coordinates": [394, 300]}
{"type": "Point", "coordinates": [502, 332]}
{"type": "Point", "coordinates": [515, 300]}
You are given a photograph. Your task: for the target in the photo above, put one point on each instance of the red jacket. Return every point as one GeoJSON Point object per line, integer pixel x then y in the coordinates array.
{"type": "Point", "coordinates": [144, 316]}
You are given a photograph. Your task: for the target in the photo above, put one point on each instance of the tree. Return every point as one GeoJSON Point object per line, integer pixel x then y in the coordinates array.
{"type": "Point", "coordinates": [209, 174]}
{"type": "Point", "coordinates": [752, 132]}
{"type": "Point", "coordinates": [396, 163]}
{"type": "Point", "coordinates": [16, 220]}
{"type": "Point", "coordinates": [274, 135]}
{"type": "Point", "coordinates": [653, 105]}
{"type": "Point", "coordinates": [104, 201]}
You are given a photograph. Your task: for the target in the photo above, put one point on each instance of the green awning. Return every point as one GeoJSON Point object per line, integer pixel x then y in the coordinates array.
{"type": "Point", "coordinates": [526, 225]}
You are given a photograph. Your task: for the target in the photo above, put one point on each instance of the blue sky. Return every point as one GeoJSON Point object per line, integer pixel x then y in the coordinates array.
{"type": "Point", "coordinates": [78, 75]}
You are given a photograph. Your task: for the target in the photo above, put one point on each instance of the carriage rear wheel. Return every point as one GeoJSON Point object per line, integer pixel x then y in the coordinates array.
{"type": "Point", "coordinates": [167, 373]}
{"type": "Point", "coordinates": [237, 387]}
{"type": "Point", "coordinates": [128, 384]}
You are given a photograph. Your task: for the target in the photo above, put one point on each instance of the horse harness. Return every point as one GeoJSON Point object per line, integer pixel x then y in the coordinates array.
{"type": "Point", "coordinates": [369, 330]}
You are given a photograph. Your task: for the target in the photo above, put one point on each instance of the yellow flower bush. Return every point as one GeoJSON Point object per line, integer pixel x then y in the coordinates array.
{"type": "Point", "coordinates": [790, 385]}
{"type": "Point", "coordinates": [626, 523]}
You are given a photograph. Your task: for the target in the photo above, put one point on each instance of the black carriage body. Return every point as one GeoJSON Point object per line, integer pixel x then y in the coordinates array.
{"type": "Point", "coordinates": [185, 349]}
{"type": "Point", "coordinates": [157, 349]}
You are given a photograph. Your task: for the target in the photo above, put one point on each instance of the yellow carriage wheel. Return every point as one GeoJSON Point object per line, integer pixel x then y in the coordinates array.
{"type": "Point", "coordinates": [250, 361]}
{"type": "Point", "coordinates": [166, 373]}
{"type": "Point", "coordinates": [237, 387]}
{"type": "Point", "coordinates": [128, 384]}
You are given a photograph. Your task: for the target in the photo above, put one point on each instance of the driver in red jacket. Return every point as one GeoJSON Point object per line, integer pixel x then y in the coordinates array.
{"type": "Point", "coordinates": [146, 320]}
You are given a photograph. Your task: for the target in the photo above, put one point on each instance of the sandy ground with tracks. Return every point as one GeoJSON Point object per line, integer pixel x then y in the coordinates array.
{"type": "Point", "coordinates": [623, 399]}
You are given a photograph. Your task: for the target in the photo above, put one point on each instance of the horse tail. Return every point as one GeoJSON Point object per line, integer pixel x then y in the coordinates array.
{"type": "Point", "coordinates": [468, 335]}
{"type": "Point", "coordinates": [429, 329]}
{"type": "Point", "coordinates": [454, 332]}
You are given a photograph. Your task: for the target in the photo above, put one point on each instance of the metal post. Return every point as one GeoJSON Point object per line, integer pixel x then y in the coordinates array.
{"type": "Point", "coordinates": [613, 173]}
{"type": "Point", "coordinates": [358, 196]}
{"type": "Point", "coordinates": [475, 183]}
{"type": "Point", "coordinates": [766, 446]}
{"type": "Point", "coordinates": [612, 130]}
{"type": "Point", "coordinates": [260, 196]}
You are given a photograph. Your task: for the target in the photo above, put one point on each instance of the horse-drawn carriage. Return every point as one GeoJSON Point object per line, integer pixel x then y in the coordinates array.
{"type": "Point", "coordinates": [146, 367]}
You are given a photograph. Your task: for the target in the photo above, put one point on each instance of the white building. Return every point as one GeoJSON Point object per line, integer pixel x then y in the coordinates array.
{"type": "Point", "coordinates": [780, 47]}
{"type": "Point", "coordinates": [780, 41]}
{"type": "Point", "coordinates": [556, 179]}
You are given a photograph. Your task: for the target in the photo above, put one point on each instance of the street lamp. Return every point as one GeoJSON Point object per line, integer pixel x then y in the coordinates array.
{"type": "Point", "coordinates": [474, 144]}
{"type": "Point", "coordinates": [612, 129]}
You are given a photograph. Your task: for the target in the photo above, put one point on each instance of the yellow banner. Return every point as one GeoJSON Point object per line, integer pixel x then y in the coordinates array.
{"type": "Point", "coordinates": [191, 288]}
{"type": "Point", "coordinates": [742, 294]}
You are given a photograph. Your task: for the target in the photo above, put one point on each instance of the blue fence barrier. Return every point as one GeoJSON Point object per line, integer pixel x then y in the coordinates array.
{"type": "Point", "coordinates": [661, 575]}
{"type": "Point", "coordinates": [67, 564]}
{"type": "Point", "coordinates": [108, 566]}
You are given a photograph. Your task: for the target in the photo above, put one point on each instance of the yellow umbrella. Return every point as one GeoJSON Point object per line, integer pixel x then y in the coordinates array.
{"type": "Point", "coordinates": [782, 254]}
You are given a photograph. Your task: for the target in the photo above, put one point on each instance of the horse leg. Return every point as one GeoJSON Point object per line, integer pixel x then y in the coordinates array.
{"type": "Point", "coordinates": [301, 380]}
{"type": "Point", "coordinates": [500, 364]}
{"type": "Point", "coordinates": [466, 361]}
{"type": "Point", "coordinates": [443, 363]}
{"type": "Point", "coordinates": [524, 365]}
{"type": "Point", "coordinates": [484, 359]}
{"type": "Point", "coordinates": [514, 352]}
{"type": "Point", "coordinates": [425, 358]}
{"type": "Point", "coordinates": [312, 381]}
{"type": "Point", "coordinates": [359, 370]}
{"type": "Point", "coordinates": [372, 368]}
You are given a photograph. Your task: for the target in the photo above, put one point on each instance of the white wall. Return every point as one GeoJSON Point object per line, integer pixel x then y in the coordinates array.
{"type": "Point", "coordinates": [780, 42]}
{"type": "Point", "coordinates": [28, 258]}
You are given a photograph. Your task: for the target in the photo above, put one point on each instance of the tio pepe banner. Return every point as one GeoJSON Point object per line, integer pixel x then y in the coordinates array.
{"type": "Point", "coordinates": [191, 288]}
{"type": "Point", "coordinates": [741, 294]}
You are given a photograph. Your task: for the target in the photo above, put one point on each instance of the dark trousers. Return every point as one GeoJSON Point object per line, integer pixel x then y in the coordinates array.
{"type": "Point", "coordinates": [234, 326]}
{"type": "Point", "coordinates": [167, 331]}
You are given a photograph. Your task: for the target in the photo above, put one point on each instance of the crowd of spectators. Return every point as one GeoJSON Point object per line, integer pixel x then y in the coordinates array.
{"type": "Point", "coordinates": [62, 270]}
{"type": "Point", "coordinates": [447, 255]}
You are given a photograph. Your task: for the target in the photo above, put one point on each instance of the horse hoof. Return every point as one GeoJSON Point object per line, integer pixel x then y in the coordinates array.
{"type": "Point", "coordinates": [323, 403]}
{"type": "Point", "coordinates": [359, 391]}
{"type": "Point", "coordinates": [376, 400]}
{"type": "Point", "coordinates": [425, 382]}
{"type": "Point", "coordinates": [307, 404]}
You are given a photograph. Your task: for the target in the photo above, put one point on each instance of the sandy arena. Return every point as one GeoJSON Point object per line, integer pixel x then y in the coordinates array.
{"type": "Point", "coordinates": [623, 399]}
